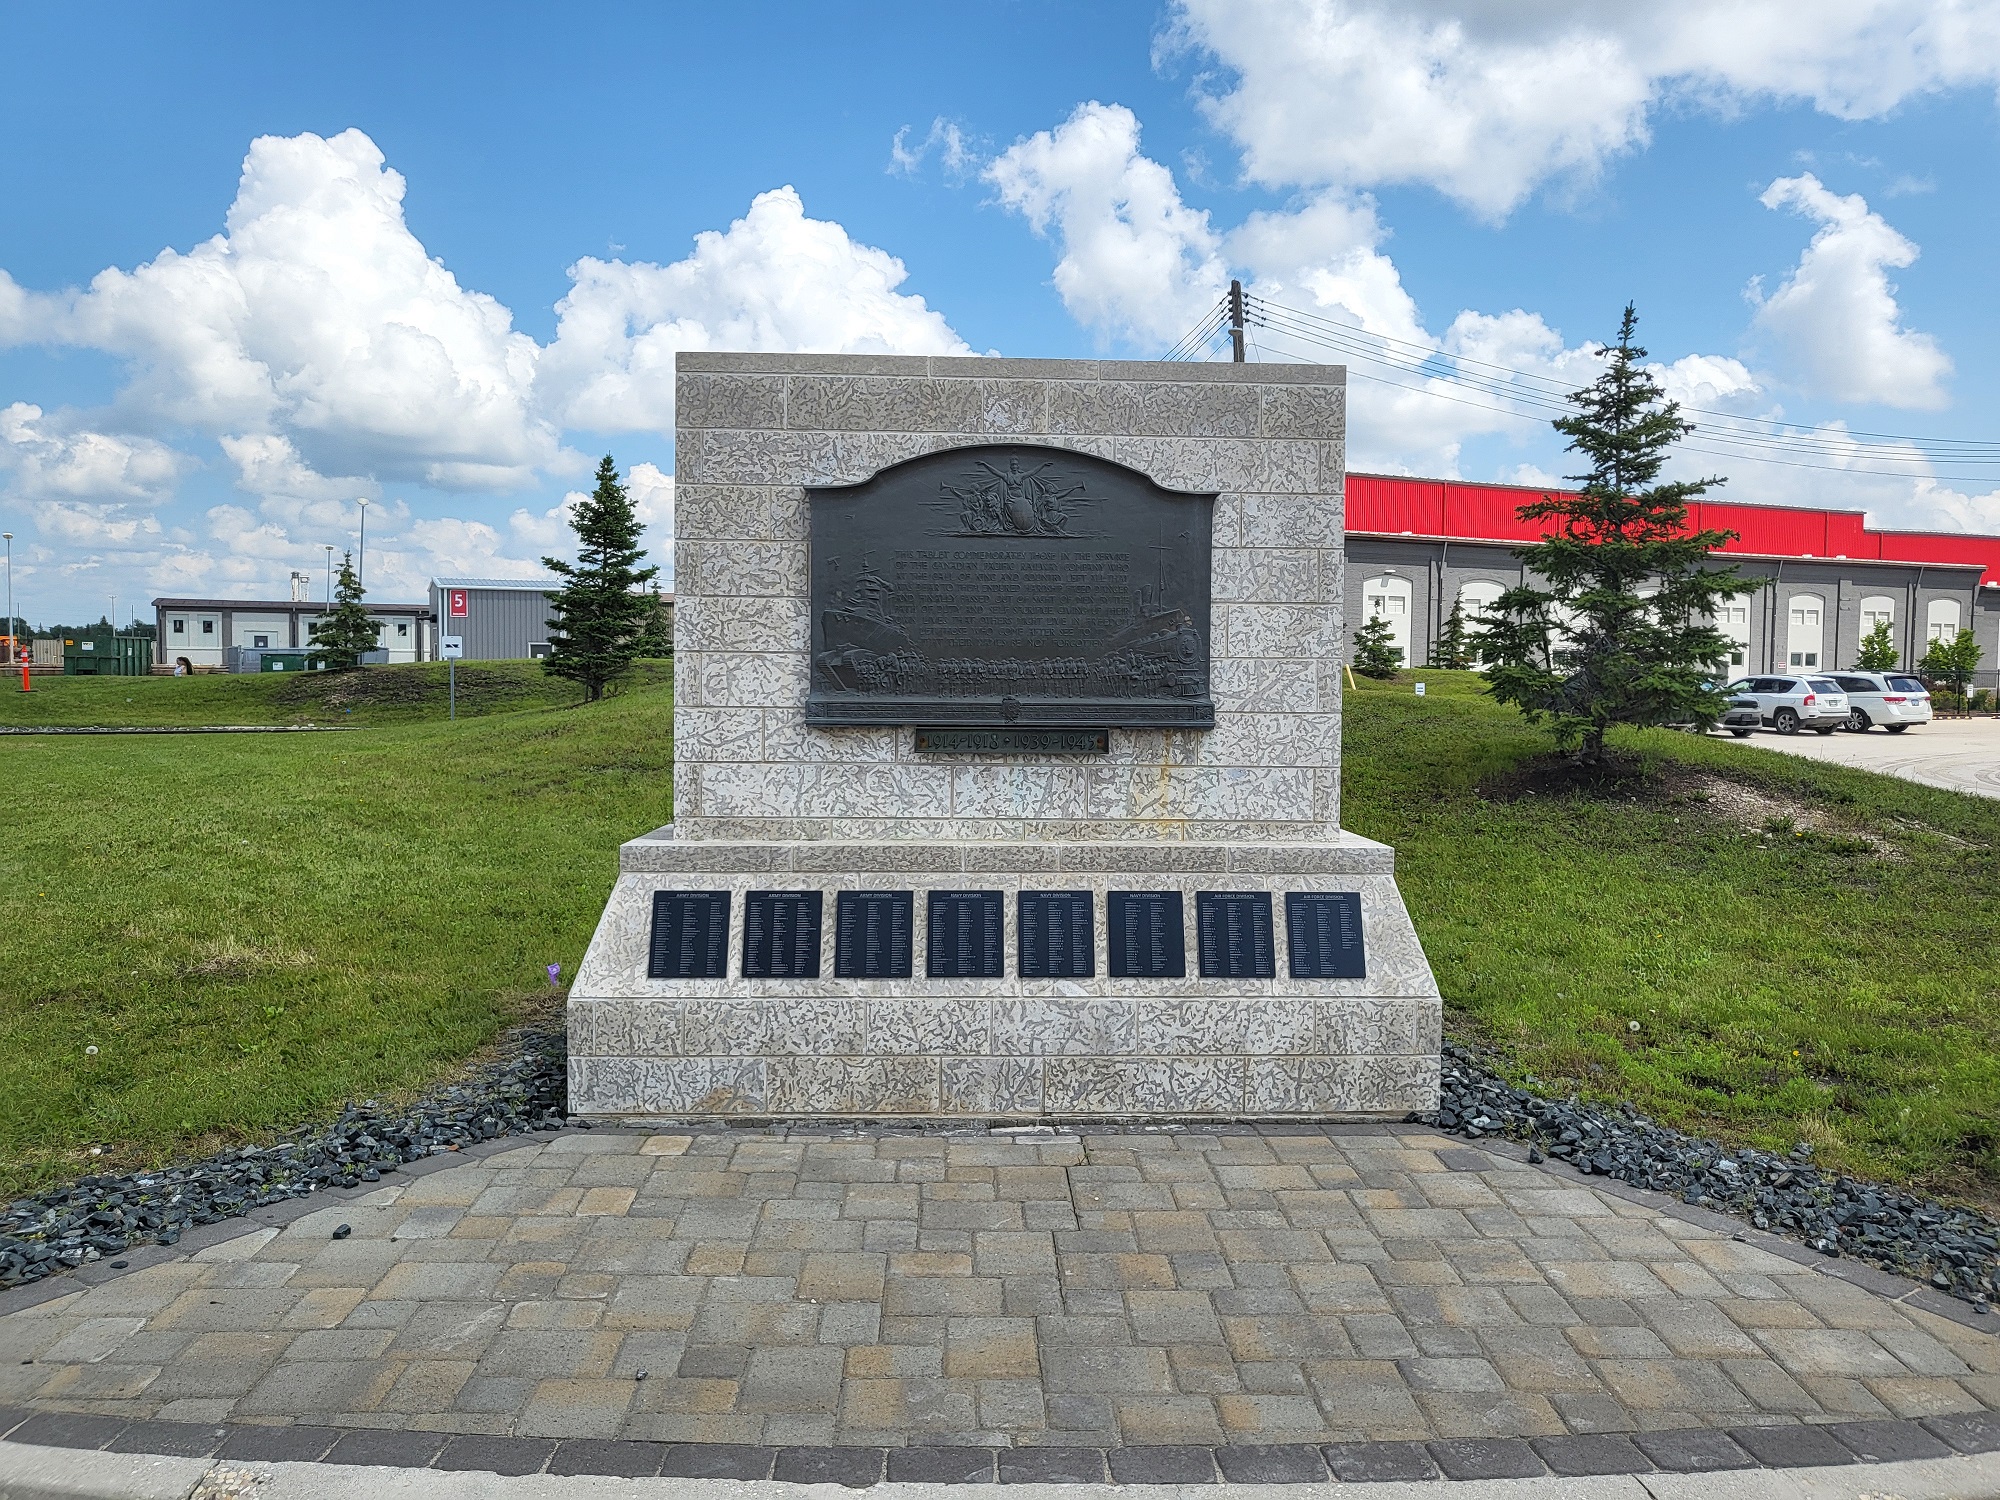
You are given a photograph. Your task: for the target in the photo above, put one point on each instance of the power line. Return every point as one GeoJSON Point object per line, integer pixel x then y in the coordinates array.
{"type": "Point", "coordinates": [1788, 445]}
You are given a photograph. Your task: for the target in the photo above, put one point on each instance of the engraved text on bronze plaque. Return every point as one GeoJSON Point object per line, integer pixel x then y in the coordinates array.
{"type": "Point", "coordinates": [1009, 584]}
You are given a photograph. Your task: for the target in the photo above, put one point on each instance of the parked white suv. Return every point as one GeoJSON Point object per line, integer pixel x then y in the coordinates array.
{"type": "Point", "coordinates": [1789, 704]}
{"type": "Point", "coordinates": [1886, 698]}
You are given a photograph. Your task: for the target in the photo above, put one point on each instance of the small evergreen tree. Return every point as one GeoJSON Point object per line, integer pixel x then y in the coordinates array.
{"type": "Point", "coordinates": [600, 613]}
{"type": "Point", "coordinates": [1878, 649]}
{"type": "Point", "coordinates": [656, 639]}
{"type": "Point", "coordinates": [343, 632]}
{"type": "Point", "coordinates": [1952, 662]}
{"type": "Point", "coordinates": [1454, 648]}
{"type": "Point", "coordinates": [1583, 649]}
{"type": "Point", "coordinates": [1376, 653]}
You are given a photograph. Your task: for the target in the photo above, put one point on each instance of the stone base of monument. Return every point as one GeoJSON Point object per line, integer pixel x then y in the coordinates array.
{"type": "Point", "coordinates": [1031, 981]}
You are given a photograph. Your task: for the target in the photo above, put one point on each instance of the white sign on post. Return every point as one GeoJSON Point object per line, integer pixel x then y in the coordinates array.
{"type": "Point", "coordinates": [451, 647]}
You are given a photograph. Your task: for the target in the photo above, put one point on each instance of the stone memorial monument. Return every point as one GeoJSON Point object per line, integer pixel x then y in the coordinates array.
{"type": "Point", "coordinates": [1006, 760]}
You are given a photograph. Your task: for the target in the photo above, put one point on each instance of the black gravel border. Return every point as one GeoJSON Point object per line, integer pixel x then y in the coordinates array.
{"type": "Point", "coordinates": [108, 1220]}
{"type": "Point", "coordinates": [1700, 1450]}
{"type": "Point", "coordinates": [1952, 1249]}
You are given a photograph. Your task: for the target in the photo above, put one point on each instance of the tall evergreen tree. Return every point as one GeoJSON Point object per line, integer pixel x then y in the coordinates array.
{"type": "Point", "coordinates": [1582, 649]}
{"type": "Point", "coordinates": [1376, 653]}
{"type": "Point", "coordinates": [1878, 649]}
{"type": "Point", "coordinates": [1454, 648]}
{"type": "Point", "coordinates": [600, 609]}
{"type": "Point", "coordinates": [656, 637]}
{"type": "Point", "coordinates": [343, 632]}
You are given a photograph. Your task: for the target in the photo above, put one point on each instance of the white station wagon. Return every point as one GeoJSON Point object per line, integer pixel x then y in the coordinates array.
{"type": "Point", "coordinates": [1886, 698]}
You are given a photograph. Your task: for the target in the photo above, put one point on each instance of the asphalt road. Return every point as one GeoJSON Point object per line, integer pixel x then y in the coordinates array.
{"type": "Point", "coordinates": [1960, 755]}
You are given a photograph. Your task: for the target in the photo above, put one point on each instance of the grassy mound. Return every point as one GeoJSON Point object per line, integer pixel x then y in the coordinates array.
{"type": "Point", "coordinates": [372, 695]}
{"type": "Point", "coordinates": [1809, 952]}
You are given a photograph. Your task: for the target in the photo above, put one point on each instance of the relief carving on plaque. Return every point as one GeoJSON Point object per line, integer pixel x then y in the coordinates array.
{"type": "Point", "coordinates": [1010, 584]}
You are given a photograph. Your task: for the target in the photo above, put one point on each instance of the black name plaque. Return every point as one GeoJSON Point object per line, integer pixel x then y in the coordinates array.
{"type": "Point", "coordinates": [1010, 585]}
{"type": "Point", "coordinates": [1013, 741]}
{"type": "Point", "coordinates": [967, 938]}
{"type": "Point", "coordinates": [1233, 935]}
{"type": "Point", "coordinates": [871, 934]}
{"type": "Point", "coordinates": [1058, 938]}
{"type": "Point", "coordinates": [781, 934]}
{"type": "Point", "coordinates": [1323, 932]}
{"type": "Point", "coordinates": [1146, 936]}
{"type": "Point", "coordinates": [690, 936]}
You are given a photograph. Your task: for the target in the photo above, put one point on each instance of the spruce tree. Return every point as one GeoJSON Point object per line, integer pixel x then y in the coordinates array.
{"type": "Point", "coordinates": [342, 633]}
{"type": "Point", "coordinates": [1878, 649]}
{"type": "Point", "coordinates": [656, 638]}
{"type": "Point", "coordinates": [600, 611]}
{"type": "Point", "coordinates": [1582, 649]}
{"type": "Point", "coordinates": [1376, 653]}
{"type": "Point", "coordinates": [1454, 648]}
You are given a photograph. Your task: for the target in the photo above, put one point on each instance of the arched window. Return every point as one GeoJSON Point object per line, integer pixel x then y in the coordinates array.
{"type": "Point", "coordinates": [1732, 618]}
{"type": "Point", "coordinates": [1475, 597]}
{"type": "Point", "coordinates": [1942, 620]}
{"type": "Point", "coordinates": [1803, 635]}
{"type": "Point", "coordinates": [1388, 598]}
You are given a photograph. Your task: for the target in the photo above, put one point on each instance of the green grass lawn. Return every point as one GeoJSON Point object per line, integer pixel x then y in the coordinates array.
{"type": "Point", "coordinates": [252, 929]}
{"type": "Point", "coordinates": [1841, 988]}
{"type": "Point", "coordinates": [375, 695]}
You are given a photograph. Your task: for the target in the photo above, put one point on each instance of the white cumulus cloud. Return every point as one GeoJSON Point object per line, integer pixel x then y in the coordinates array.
{"type": "Point", "coordinates": [1135, 262]}
{"type": "Point", "coordinates": [1485, 100]}
{"type": "Point", "coordinates": [1835, 319]}
{"type": "Point", "coordinates": [775, 281]}
{"type": "Point", "coordinates": [316, 316]}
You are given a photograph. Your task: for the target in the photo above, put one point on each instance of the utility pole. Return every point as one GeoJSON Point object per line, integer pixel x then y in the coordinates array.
{"type": "Point", "coordinates": [13, 644]}
{"type": "Point", "coordinates": [1236, 321]}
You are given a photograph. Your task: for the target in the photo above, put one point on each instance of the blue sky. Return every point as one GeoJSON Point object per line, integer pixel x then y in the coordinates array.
{"type": "Point", "coordinates": [1799, 196]}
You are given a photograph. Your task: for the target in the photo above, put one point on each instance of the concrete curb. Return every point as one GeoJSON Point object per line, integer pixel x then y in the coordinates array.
{"type": "Point", "coordinates": [1699, 1456]}
{"type": "Point", "coordinates": [37, 1473]}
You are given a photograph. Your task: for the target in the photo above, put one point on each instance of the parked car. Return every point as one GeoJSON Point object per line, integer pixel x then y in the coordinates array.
{"type": "Point", "coordinates": [1789, 704]}
{"type": "Point", "coordinates": [1886, 698]}
{"type": "Point", "coordinates": [1741, 717]}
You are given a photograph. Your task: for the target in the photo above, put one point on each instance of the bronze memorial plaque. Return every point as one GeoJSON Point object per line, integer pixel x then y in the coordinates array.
{"type": "Point", "coordinates": [1013, 585]}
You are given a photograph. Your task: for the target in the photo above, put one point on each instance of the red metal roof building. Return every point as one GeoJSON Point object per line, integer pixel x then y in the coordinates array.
{"type": "Point", "coordinates": [1416, 545]}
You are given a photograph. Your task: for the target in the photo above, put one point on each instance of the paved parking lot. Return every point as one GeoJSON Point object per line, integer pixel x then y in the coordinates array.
{"type": "Point", "coordinates": [1960, 755]}
{"type": "Point", "coordinates": [1102, 1288]}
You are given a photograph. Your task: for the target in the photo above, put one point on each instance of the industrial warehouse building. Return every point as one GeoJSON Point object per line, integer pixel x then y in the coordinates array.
{"type": "Point", "coordinates": [498, 619]}
{"type": "Point", "coordinates": [230, 634]}
{"type": "Point", "coordinates": [1416, 546]}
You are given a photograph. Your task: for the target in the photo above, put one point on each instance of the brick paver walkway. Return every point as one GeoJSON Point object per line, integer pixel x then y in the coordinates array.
{"type": "Point", "coordinates": [1101, 1288]}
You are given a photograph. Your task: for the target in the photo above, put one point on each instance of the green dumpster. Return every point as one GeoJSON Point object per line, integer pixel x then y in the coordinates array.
{"type": "Point", "coordinates": [101, 654]}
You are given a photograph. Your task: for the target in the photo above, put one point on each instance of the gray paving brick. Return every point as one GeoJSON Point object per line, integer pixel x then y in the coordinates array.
{"type": "Point", "coordinates": [1134, 1291]}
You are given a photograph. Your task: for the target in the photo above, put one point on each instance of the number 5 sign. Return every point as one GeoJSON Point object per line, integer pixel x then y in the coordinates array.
{"type": "Point", "coordinates": [456, 607]}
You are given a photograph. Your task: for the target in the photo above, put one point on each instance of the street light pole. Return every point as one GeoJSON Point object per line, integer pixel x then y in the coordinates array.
{"type": "Point", "coordinates": [329, 573]}
{"type": "Point", "coordinates": [361, 569]}
{"type": "Point", "coordinates": [12, 642]}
